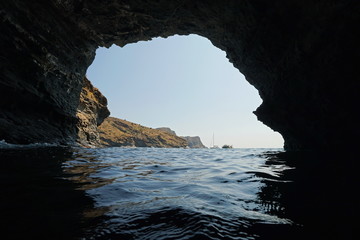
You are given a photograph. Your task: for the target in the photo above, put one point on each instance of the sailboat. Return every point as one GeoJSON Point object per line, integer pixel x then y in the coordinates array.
{"type": "Point", "coordinates": [212, 145]}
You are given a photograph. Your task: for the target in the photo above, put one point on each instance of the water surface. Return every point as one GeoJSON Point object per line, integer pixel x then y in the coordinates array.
{"type": "Point", "coordinates": [149, 193]}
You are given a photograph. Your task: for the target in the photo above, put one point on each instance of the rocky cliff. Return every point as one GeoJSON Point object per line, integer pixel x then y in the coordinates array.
{"type": "Point", "coordinates": [302, 56]}
{"type": "Point", "coordinates": [194, 142]}
{"type": "Point", "coordinates": [116, 132]}
{"type": "Point", "coordinates": [168, 130]}
{"type": "Point", "coordinates": [91, 112]}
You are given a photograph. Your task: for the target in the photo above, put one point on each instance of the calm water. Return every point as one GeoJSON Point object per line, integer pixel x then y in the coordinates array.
{"type": "Point", "coordinates": [148, 193]}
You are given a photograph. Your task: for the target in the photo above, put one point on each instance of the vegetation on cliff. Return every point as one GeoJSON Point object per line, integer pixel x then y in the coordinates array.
{"type": "Point", "coordinates": [117, 132]}
{"type": "Point", "coordinates": [193, 142]}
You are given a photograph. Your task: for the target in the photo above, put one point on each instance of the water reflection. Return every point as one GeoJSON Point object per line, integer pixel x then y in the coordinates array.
{"type": "Point", "coordinates": [62, 193]}
{"type": "Point", "coordinates": [317, 191]}
{"type": "Point", "coordinates": [36, 200]}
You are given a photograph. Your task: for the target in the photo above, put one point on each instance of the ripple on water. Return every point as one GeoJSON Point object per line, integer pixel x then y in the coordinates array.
{"type": "Point", "coordinates": [177, 193]}
{"type": "Point", "coordinates": [146, 193]}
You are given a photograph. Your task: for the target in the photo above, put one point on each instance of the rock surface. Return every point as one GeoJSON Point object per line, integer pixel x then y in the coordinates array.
{"type": "Point", "coordinates": [116, 132]}
{"type": "Point", "coordinates": [302, 56]}
{"type": "Point", "coordinates": [168, 130]}
{"type": "Point", "coordinates": [194, 142]}
{"type": "Point", "coordinates": [91, 112]}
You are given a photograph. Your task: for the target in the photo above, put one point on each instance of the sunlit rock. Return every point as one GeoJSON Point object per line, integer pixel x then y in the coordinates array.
{"type": "Point", "coordinates": [91, 112]}
{"type": "Point", "coordinates": [116, 132]}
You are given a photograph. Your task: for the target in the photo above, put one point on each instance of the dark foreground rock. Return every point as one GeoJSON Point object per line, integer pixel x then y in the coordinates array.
{"type": "Point", "coordinates": [302, 56]}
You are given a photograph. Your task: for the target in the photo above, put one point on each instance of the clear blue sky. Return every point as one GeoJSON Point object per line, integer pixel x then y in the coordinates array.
{"type": "Point", "coordinates": [185, 83]}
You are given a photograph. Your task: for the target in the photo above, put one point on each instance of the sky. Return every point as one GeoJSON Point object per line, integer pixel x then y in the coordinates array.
{"type": "Point", "coordinates": [184, 83]}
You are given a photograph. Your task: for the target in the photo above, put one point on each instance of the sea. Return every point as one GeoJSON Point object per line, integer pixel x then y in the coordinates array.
{"type": "Point", "coordinates": [58, 192]}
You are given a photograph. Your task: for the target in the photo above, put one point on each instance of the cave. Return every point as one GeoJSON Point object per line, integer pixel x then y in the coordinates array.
{"type": "Point", "coordinates": [302, 57]}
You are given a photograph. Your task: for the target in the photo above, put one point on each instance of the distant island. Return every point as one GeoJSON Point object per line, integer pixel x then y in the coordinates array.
{"type": "Point", "coordinates": [116, 132]}
{"type": "Point", "coordinates": [193, 142]}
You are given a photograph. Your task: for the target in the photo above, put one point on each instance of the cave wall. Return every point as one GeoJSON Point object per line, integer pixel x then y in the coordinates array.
{"type": "Point", "coordinates": [42, 69]}
{"type": "Point", "coordinates": [302, 56]}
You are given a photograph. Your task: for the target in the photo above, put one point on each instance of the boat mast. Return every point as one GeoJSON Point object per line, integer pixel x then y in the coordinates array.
{"type": "Point", "coordinates": [213, 140]}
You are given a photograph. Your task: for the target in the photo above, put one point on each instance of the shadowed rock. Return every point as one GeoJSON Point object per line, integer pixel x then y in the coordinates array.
{"type": "Point", "coordinates": [302, 56]}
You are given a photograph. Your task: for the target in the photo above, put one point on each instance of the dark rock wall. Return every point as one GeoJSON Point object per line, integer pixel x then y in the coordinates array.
{"type": "Point", "coordinates": [302, 56]}
{"type": "Point", "coordinates": [43, 61]}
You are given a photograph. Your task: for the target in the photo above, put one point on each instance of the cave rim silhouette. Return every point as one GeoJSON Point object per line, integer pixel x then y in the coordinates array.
{"type": "Point", "coordinates": [324, 117]}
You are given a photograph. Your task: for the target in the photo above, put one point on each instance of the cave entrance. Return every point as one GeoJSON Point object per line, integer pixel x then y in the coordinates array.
{"type": "Point", "coordinates": [186, 84]}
